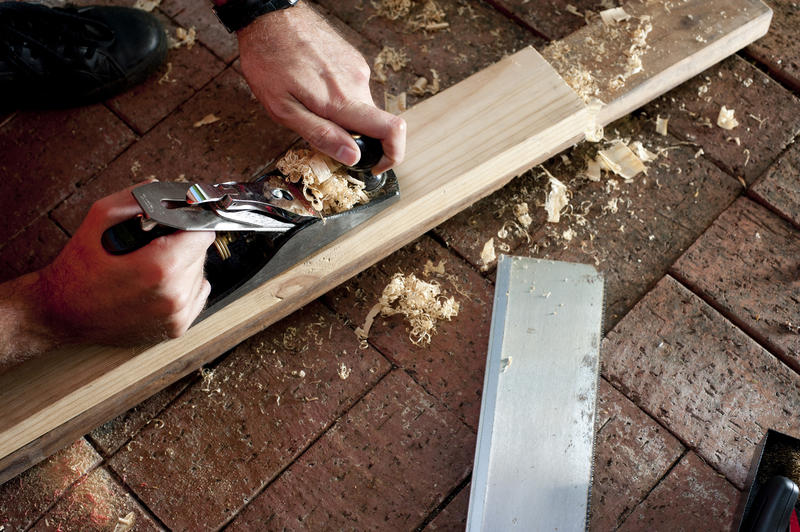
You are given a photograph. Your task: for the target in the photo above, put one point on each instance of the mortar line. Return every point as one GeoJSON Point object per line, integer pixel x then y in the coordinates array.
{"type": "Point", "coordinates": [455, 492]}
{"type": "Point", "coordinates": [301, 453]}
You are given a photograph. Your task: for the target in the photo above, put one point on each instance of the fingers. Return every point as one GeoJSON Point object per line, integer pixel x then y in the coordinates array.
{"type": "Point", "coordinates": [367, 119]}
{"type": "Point", "coordinates": [175, 252]}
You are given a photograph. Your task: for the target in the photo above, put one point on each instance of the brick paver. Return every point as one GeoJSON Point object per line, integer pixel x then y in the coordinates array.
{"type": "Point", "coordinates": [24, 499]}
{"type": "Point", "coordinates": [451, 366]}
{"type": "Point", "coordinates": [227, 436]}
{"type": "Point", "coordinates": [746, 265]}
{"type": "Point", "coordinates": [97, 503]}
{"type": "Point", "coordinates": [692, 497]}
{"type": "Point", "coordinates": [632, 453]}
{"type": "Point", "coordinates": [555, 19]}
{"type": "Point", "coordinates": [46, 153]}
{"type": "Point", "coordinates": [779, 49]}
{"type": "Point", "coordinates": [185, 71]}
{"type": "Point", "coordinates": [701, 377]}
{"type": "Point", "coordinates": [385, 465]}
{"type": "Point", "coordinates": [779, 189]}
{"type": "Point", "coordinates": [110, 436]}
{"type": "Point", "coordinates": [766, 112]}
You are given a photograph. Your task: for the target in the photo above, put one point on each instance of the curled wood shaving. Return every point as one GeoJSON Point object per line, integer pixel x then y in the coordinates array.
{"type": "Point", "coordinates": [183, 37]}
{"type": "Point", "coordinates": [726, 119]}
{"type": "Point", "coordinates": [124, 524]}
{"type": "Point", "coordinates": [395, 104]}
{"type": "Point", "coordinates": [343, 371]}
{"type": "Point", "coordinates": [621, 160]}
{"type": "Point", "coordinates": [431, 18]}
{"type": "Point", "coordinates": [388, 57]}
{"type": "Point", "coordinates": [326, 183]}
{"type": "Point", "coordinates": [556, 201]}
{"type": "Point", "coordinates": [420, 302]}
{"type": "Point", "coordinates": [421, 87]}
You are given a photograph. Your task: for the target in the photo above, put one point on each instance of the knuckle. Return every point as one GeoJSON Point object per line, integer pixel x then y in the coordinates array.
{"type": "Point", "coordinates": [281, 110]}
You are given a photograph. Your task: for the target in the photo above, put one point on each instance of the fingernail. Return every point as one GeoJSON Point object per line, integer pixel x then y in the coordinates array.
{"type": "Point", "coordinates": [347, 155]}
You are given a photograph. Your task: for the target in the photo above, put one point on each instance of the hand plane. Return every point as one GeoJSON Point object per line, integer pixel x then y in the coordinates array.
{"type": "Point", "coordinates": [263, 226]}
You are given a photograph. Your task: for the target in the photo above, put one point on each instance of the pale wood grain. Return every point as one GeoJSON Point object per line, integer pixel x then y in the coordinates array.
{"type": "Point", "coordinates": [464, 143]}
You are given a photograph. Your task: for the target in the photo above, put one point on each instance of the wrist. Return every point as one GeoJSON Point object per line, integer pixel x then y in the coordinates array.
{"type": "Point", "coordinates": [236, 15]}
{"type": "Point", "coordinates": [24, 329]}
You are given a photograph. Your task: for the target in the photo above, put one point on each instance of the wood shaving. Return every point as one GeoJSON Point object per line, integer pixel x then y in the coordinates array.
{"type": "Point", "coordinates": [556, 201]}
{"type": "Point", "coordinates": [488, 255]}
{"type": "Point", "coordinates": [389, 57]}
{"type": "Point", "coordinates": [593, 171]}
{"type": "Point", "coordinates": [621, 160]}
{"type": "Point", "coordinates": [421, 87]}
{"type": "Point", "coordinates": [420, 302]}
{"type": "Point", "coordinates": [614, 16]}
{"type": "Point", "coordinates": [431, 18]}
{"type": "Point", "coordinates": [147, 5]}
{"type": "Point", "coordinates": [125, 524]}
{"type": "Point", "coordinates": [431, 268]}
{"type": "Point", "coordinates": [183, 37]}
{"type": "Point", "coordinates": [645, 155]}
{"type": "Point", "coordinates": [343, 371]}
{"type": "Point", "coordinates": [393, 9]}
{"type": "Point", "coordinates": [395, 104]}
{"type": "Point", "coordinates": [206, 120]}
{"type": "Point", "coordinates": [635, 52]}
{"type": "Point", "coordinates": [326, 183]}
{"type": "Point", "coordinates": [726, 119]}
{"type": "Point", "coordinates": [523, 217]}
{"type": "Point", "coordinates": [661, 125]}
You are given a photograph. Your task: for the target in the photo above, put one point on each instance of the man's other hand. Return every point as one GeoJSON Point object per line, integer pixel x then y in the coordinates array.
{"type": "Point", "coordinates": [312, 81]}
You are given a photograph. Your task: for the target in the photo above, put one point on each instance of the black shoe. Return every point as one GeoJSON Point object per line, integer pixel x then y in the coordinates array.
{"type": "Point", "coordinates": [60, 57]}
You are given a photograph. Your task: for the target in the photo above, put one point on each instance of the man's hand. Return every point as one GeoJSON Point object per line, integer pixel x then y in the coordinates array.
{"type": "Point", "coordinates": [153, 293]}
{"type": "Point", "coordinates": [89, 295]}
{"type": "Point", "coordinates": [312, 81]}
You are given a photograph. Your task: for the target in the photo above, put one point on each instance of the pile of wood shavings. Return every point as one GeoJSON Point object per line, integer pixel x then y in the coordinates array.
{"type": "Point", "coordinates": [420, 302]}
{"type": "Point", "coordinates": [326, 183]}
{"type": "Point", "coordinates": [388, 57]}
{"type": "Point", "coordinates": [431, 18]}
{"type": "Point", "coordinates": [393, 9]}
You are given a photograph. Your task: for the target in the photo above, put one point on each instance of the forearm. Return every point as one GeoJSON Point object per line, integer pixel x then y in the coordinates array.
{"type": "Point", "coordinates": [24, 332]}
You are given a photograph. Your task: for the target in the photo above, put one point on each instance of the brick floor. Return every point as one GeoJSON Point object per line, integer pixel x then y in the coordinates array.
{"type": "Point", "coordinates": [779, 188]}
{"type": "Point", "coordinates": [692, 497]}
{"type": "Point", "coordinates": [385, 465]}
{"type": "Point", "coordinates": [746, 265]}
{"type": "Point", "coordinates": [701, 279]}
{"type": "Point", "coordinates": [231, 433]}
{"type": "Point", "coordinates": [697, 374]}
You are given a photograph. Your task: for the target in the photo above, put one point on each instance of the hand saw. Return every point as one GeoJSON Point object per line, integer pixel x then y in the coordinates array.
{"type": "Point", "coordinates": [263, 227]}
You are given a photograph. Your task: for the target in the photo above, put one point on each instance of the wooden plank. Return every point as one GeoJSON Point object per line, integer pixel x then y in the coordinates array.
{"type": "Point", "coordinates": [463, 144]}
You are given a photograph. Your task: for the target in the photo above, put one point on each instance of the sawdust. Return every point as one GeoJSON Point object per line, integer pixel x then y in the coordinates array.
{"type": "Point", "coordinates": [391, 58]}
{"type": "Point", "coordinates": [183, 37]}
{"type": "Point", "coordinates": [522, 214]}
{"type": "Point", "coordinates": [420, 302]}
{"type": "Point", "coordinates": [326, 183]}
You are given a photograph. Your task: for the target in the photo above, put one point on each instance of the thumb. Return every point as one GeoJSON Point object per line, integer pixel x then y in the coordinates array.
{"type": "Point", "coordinates": [116, 208]}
